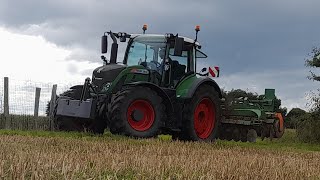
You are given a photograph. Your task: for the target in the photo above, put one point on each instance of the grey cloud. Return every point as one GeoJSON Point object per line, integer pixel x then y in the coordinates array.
{"type": "Point", "coordinates": [242, 37]}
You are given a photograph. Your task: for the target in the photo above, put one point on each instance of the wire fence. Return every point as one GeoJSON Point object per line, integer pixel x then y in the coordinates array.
{"type": "Point", "coordinates": [21, 104]}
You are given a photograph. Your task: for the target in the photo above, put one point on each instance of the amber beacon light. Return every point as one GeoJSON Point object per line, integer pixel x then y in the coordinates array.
{"type": "Point", "coordinates": [144, 28]}
{"type": "Point", "coordinates": [197, 28]}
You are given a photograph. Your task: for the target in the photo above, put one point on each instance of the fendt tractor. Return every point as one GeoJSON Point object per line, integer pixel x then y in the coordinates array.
{"type": "Point", "coordinates": [156, 90]}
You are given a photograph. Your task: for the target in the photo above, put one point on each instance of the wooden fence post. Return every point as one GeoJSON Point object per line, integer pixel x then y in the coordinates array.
{"type": "Point", "coordinates": [6, 103]}
{"type": "Point", "coordinates": [52, 105]}
{"type": "Point", "coordinates": [6, 97]}
{"type": "Point", "coordinates": [36, 102]}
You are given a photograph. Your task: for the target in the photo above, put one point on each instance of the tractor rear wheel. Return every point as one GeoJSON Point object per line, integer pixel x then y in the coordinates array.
{"type": "Point", "coordinates": [202, 115]}
{"type": "Point", "coordinates": [137, 112]}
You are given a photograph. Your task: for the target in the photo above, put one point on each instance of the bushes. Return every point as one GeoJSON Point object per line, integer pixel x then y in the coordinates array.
{"type": "Point", "coordinates": [294, 117]}
{"type": "Point", "coordinates": [308, 129]}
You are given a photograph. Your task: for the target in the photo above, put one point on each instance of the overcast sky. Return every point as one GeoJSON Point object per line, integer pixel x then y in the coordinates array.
{"type": "Point", "coordinates": [256, 44]}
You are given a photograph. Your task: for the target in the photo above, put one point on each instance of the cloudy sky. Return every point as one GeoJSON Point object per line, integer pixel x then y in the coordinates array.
{"type": "Point", "coordinates": [257, 44]}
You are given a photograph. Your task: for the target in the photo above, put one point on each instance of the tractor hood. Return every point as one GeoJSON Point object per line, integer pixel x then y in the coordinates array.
{"type": "Point", "coordinates": [106, 74]}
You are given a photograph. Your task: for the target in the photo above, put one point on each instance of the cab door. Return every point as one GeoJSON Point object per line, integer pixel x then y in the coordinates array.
{"type": "Point", "coordinates": [180, 66]}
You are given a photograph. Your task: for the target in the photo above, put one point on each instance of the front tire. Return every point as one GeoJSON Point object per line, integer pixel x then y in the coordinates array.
{"type": "Point", "coordinates": [137, 112]}
{"type": "Point", "coordinates": [202, 115]}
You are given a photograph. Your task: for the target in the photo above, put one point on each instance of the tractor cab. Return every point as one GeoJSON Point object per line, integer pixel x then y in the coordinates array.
{"type": "Point", "coordinates": [167, 59]}
{"type": "Point", "coordinates": [158, 54]}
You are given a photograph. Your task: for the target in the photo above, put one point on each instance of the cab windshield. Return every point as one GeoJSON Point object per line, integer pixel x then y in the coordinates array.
{"type": "Point", "coordinates": [147, 51]}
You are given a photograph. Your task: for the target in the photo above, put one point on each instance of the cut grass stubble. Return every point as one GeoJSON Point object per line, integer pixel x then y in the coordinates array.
{"type": "Point", "coordinates": [42, 155]}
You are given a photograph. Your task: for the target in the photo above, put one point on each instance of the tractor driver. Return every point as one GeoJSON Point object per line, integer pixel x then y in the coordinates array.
{"type": "Point", "coordinates": [158, 64]}
{"type": "Point", "coordinates": [165, 61]}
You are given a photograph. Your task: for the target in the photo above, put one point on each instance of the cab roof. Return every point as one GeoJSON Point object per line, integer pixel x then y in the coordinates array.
{"type": "Point", "coordinates": [161, 38]}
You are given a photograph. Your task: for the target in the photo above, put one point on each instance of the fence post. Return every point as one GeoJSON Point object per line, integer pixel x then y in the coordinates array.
{"type": "Point", "coordinates": [6, 97]}
{"type": "Point", "coordinates": [6, 103]}
{"type": "Point", "coordinates": [36, 102]}
{"type": "Point", "coordinates": [52, 105]}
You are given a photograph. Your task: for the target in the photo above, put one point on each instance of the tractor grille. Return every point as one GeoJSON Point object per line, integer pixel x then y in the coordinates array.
{"type": "Point", "coordinates": [105, 74]}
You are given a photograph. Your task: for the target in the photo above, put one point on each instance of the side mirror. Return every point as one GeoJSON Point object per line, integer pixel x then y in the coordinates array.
{"type": "Point", "coordinates": [204, 69]}
{"type": "Point", "coordinates": [104, 44]}
{"type": "Point", "coordinates": [178, 46]}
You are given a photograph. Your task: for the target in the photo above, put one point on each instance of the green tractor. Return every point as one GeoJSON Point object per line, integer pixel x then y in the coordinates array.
{"type": "Point", "coordinates": [154, 90]}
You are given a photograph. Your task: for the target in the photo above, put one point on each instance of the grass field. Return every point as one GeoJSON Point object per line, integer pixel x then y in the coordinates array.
{"type": "Point", "coordinates": [56, 155]}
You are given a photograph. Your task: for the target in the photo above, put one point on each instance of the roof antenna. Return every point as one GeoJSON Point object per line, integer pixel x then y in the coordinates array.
{"type": "Point", "coordinates": [197, 30]}
{"type": "Point", "coordinates": [144, 28]}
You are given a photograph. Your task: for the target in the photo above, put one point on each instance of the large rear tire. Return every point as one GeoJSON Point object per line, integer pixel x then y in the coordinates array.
{"type": "Point", "coordinates": [201, 117]}
{"type": "Point", "coordinates": [137, 112]}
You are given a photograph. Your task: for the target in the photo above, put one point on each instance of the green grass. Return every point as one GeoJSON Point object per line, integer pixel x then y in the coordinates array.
{"type": "Point", "coordinates": [288, 142]}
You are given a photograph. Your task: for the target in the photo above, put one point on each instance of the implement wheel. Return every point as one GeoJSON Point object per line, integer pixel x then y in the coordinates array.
{"type": "Point", "coordinates": [202, 115]}
{"type": "Point", "coordinates": [137, 112]}
{"type": "Point", "coordinates": [252, 135]}
{"type": "Point", "coordinates": [236, 134]}
{"type": "Point", "coordinates": [243, 132]}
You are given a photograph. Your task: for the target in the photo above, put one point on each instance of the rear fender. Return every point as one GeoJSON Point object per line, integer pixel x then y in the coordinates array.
{"type": "Point", "coordinates": [189, 86]}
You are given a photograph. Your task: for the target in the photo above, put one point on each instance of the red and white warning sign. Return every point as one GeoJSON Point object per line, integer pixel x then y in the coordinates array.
{"type": "Point", "coordinates": [214, 72]}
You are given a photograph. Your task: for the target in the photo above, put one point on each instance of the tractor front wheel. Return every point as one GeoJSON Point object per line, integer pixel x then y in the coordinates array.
{"type": "Point", "coordinates": [137, 112]}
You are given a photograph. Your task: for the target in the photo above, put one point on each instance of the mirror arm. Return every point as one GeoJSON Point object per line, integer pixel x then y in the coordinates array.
{"type": "Point", "coordinates": [114, 49]}
{"type": "Point", "coordinates": [112, 37]}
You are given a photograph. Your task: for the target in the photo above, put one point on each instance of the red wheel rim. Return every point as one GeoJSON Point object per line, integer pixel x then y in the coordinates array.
{"type": "Point", "coordinates": [204, 118]}
{"type": "Point", "coordinates": [147, 112]}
